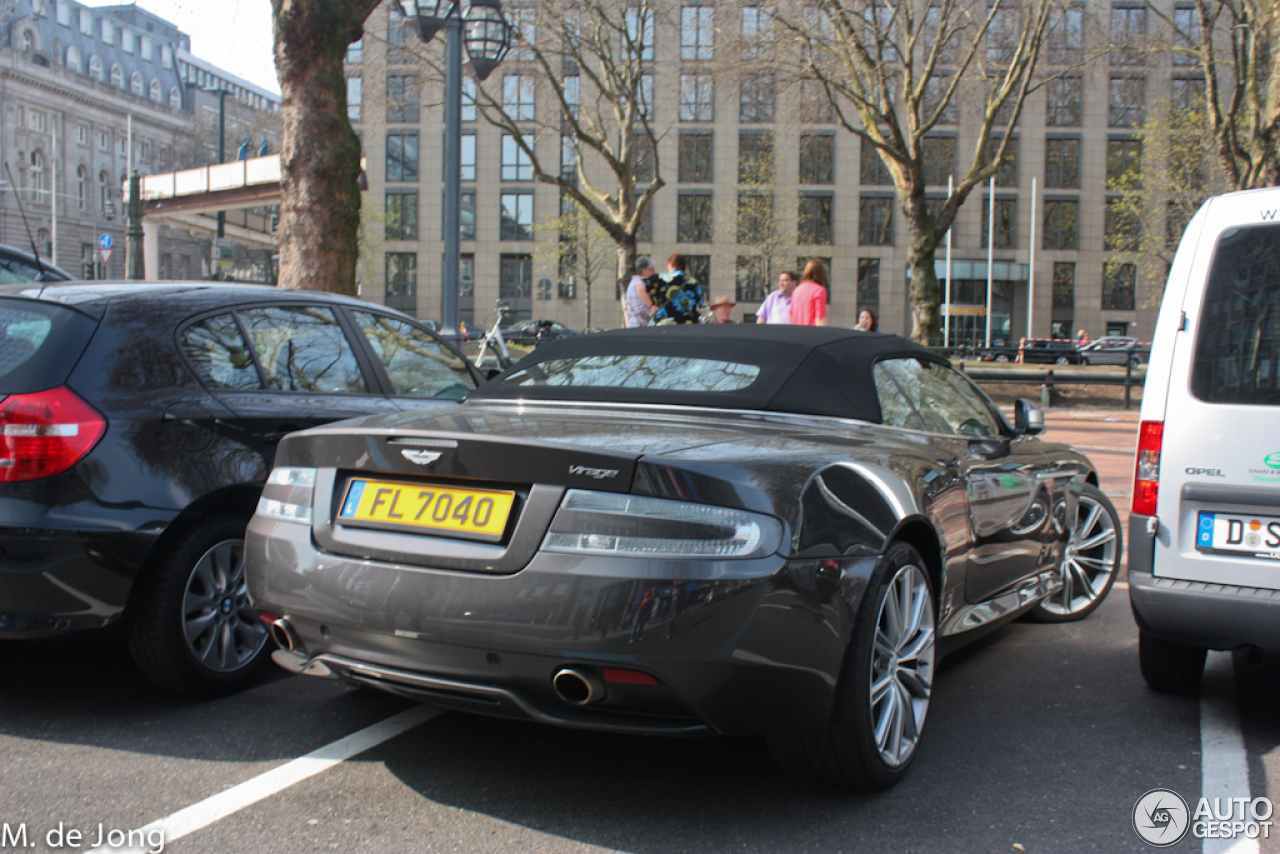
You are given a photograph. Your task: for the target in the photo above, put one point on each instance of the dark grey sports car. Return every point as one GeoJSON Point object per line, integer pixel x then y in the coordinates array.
{"type": "Point", "coordinates": [683, 530]}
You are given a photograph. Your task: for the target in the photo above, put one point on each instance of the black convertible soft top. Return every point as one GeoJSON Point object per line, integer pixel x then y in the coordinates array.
{"type": "Point", "coordinates": [803, 369]}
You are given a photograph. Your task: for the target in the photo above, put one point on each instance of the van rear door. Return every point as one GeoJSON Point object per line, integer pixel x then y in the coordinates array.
{"type": "Point", "coordinates": [1219, 490]}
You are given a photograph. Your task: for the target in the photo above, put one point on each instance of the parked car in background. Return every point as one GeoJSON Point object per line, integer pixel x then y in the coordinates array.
{"type": "Point", "coordinates": [138, 423]}
{"type": "Point", "coordinates": [1205, 525]}
{"type": "Point", "coordinates": [684, 530]}
{"type": "Point", "coordinates": [17, 267]}
{"type": "Point", "coordinates": [1053, 351]}
{"type": "Point", "coordinates": [530, 333]}
{"type": "Point", "coordinates": [1113, 350]}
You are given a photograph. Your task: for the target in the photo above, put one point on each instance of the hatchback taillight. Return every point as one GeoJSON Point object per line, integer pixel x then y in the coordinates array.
{"type": "Point", "coordinates": [45, 433]}
{"type": "Point", "coordinates": [1146, 478]}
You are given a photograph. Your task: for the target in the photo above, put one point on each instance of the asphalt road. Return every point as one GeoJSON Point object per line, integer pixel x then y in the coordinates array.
{"type": "Point", "coordinates": [1040, 738]}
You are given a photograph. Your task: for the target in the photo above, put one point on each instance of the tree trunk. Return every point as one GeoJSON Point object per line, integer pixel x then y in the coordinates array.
{"type": "Point", "coordinates": [925, 295]}
{"type": "Point", "coordinates": [320, 157]}
{"type": "Point", "coordinates": [626, 266]}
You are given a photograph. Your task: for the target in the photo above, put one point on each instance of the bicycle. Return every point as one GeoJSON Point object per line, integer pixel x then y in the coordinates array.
{"type": "Point", "coordinates": [493, 340]}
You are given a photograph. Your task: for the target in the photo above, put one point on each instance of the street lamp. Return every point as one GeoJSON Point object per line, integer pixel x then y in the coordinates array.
{"type": "Point", "coordinates": [488, 38]}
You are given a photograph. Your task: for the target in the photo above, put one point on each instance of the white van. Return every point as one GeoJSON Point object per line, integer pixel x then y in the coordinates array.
{"type": "Point", "coordinates": [1204, 534]}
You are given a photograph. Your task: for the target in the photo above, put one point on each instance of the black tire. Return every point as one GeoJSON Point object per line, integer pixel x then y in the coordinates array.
{"type": "Point", "coordinates": [1062, 360]}
{"type": "Point", "coordinates": [1002, 358]}
{"type": "Point", "coordinates": [1170, 668]}
{"type": "Point", "coordinates": [1088, 573]}
{"type": "Point", "coordinates": [848, 752]}
{"type": "Point", "coordinates": [196, 587]}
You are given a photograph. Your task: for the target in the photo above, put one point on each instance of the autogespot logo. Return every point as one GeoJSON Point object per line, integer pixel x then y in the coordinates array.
{"type": "Point", "coordinates": [1161, 818]}
{"type": "Point", "coordinates": [1272, 460]}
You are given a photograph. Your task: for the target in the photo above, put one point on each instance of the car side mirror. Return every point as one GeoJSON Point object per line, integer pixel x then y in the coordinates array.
{"type": "Point", "coordinates": [1028, 419]}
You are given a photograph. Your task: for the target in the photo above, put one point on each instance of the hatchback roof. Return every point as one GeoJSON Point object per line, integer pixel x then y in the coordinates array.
{"type": "Point", "coordinates": [191, 296]}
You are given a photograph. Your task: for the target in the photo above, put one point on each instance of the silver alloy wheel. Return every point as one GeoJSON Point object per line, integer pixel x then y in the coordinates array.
{"type": "Point", "coordinates": [1089, 562]}
{"type": "Point", "coordinates": [222, 631]}
{"type": "Point", "coordinates": [902, 665]}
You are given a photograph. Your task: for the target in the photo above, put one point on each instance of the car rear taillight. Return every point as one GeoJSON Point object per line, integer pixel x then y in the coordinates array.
{"type": "Point", "coordinates": [45, 433]}
{"type": "Point", "coordinates": [1146, 479]}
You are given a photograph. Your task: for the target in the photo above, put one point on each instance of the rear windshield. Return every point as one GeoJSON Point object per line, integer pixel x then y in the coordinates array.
{"type": "Point", "coordinates": [656, 373]}
{"type": "Point", "coordinates": [39, 344]}
{"type": "Point", "coordinates": [1236, 347]}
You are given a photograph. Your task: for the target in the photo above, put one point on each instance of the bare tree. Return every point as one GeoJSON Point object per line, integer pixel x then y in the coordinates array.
{"type": "Point", "coordinates": [1235, 43]}
{"type": "Point", "coordinates": [894, 70]}
{"type": "Point", "coordinates": [765, 221]}
{"type": "Point", "coordinates": [320, 158]}
{"type": "Point", "coordinates": [583, 253]}
{"type": "Point", "coordinates": [597, 143]}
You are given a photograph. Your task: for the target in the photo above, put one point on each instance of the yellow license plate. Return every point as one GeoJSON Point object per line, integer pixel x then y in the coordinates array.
{"type": "Point", "coordinates": [478, 513]}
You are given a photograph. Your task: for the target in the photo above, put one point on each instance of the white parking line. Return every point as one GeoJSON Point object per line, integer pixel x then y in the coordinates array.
{"type": "Point", "coordinates": [1224, 765]}
{"type": "Point", "coordinates": [219, 806]}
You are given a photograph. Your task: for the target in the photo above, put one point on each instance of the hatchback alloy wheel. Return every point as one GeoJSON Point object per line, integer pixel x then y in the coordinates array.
{"type": "Point", "coordinates": [222, 630]}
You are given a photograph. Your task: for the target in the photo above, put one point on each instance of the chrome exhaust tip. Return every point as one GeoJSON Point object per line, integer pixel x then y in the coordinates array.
{"type": "Point", "coordinates": [577, 687]}
{"type": "Point", "coordinates": [284, 635]}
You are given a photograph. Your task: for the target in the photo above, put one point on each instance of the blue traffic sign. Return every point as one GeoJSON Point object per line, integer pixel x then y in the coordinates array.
{"type": "Point", "coordinates": [104, 242]}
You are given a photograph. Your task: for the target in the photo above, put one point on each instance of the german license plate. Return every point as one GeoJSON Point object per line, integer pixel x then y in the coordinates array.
{"type": "Point", "coordinates": [1239, 533]}
{"type": "Point", "coordinates": [470, 513]}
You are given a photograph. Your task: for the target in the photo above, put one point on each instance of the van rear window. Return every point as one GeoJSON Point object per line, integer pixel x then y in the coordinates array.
{"type": "Point", "coordinates": [1237, 350]}
{"type": "Point", "coordinates": [39, 344]}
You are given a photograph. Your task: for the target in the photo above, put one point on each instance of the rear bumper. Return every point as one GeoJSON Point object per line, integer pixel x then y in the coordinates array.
{"type": "Point", "coordinates": [1212, 616]}
{"type": "Point", "coordinates": [58, 581]}
{"type": "Point", "coordinates": [737, 647]}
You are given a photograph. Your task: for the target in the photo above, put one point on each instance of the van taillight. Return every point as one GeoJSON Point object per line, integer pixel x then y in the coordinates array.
{"type": "Point", "coordinates": [45, 433]}
{"type": "Point", "coordinates": [1146, 479]}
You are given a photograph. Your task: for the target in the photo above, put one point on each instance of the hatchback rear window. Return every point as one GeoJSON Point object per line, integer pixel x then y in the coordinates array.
{"type": "Point", "coordinates": [39, 344]}
{"type": "Point", "coordinates": [1236, 344]}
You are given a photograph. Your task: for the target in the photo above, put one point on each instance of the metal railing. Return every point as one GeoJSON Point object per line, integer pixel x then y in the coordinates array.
{"type": "Point", "coordinates": [1050, 376]}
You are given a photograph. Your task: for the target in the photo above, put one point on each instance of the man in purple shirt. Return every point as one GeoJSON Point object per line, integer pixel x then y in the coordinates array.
{"type": "Point", "coordinates": [776, 307]}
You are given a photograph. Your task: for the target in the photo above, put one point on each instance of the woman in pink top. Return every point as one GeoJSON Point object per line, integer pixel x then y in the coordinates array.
{"type": "Point", "coordinates": [809, 299]}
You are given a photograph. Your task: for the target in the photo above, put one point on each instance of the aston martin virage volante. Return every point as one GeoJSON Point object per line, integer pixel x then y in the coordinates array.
{"type": "Point", "coordinates": [685, 530]}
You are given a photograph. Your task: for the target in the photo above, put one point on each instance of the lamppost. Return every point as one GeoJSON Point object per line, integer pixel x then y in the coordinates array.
{"type": "Point", "coordinates": [488, 38]}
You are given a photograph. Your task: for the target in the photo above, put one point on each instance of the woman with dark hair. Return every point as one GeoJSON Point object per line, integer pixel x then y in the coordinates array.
{"type": "Point", "coordinates": [867, 321]}
{"type": "Point", "coordinates": [677, 294]}
{"type": "Point", "coordinates": [809, 299]}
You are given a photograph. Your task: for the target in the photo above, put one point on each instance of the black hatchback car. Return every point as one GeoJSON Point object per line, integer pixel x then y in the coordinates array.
{"type": "Point", "coordinates": [137, 427]}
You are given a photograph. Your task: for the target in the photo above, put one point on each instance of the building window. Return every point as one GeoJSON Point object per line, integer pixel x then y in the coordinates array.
{"type": "Point", "coordinates": [1124, 158]}
{"type": "Point", "coordinates": [516, 163]}
{"type": "Point", "coordinates": [1002, 35]}
{"type": "Point", "coordinates": [1120, 228]}
{"type": "Point", "coordinates": [166, 57]}
{"type": "Point", "coordinates": [1061, 224]}
{"type": "Point", "coordinates": [643, 159]}
{"type": "Point", "coordinates": [573, 94]}
{"type": "Point", "coordinates": [697, 98]}
{"type": "Point", "coordinates": [402, 156]}
{"type": "Point", "coordinates": [755, 217]}
{"type": "Point", "coordinates": [37, 121]}
{"type": "Point", "coordinates": [1066, 36]}
{"type": "Point", "coordinates": [695, 157]}
{"type": "Point", "coordinates": [524, 33]}
{"type": "Point", "coordinates": [86, 22]}
{"type": "Point", "coordinates": [694, 215]}
{"type": "Point", "coordinates": [1186, 35]}
{"type": "Point", "coordinates": [1062, 163]}
{"type": "Point", "coordinates": [145, 51]}
{"type": "Point", "coordinates": [73, 59]}
{"type": "Point", "coordinates": [117, 76]}
{"type": "Point", "coordinates": [402, 216]}
{"type": "Point", "coordinates": [875, 221]}
{"type": "Point", "coordinates": [755, 158]}
{"type": "Point", "coordinates": [697, 32]}
{"type": "Point", "coordinates": [1125, 102]}
{"type": "Point", "coordinates": [639, 35]}
{"type": "Point", "coordinates": [1064, 102]}
{"type": "Point", "coordinates": [64, 13]}
{"type": "Point", "coordinates": [175, 98]}
{"type": "Point", "coordinates": [395, 38]}
{"type": "Point", "coordinates": [817, 158]}
{"type": "Point", "coordinates": [355, 96]}
{"type": "Point", "coordinates": [1007, 173]}
{"type": "Point", "coordinates": [757, 97]}
{"type": "Point", "coordinates": [126, 41]}
{"type": "Point", "coordinates": [814, 221]}
{"type": "Point", "coordinates": [156, 92]}
{"type": "Point", "coordinates": [517, 216]}
{"type": "Point", "coordinates": [757, 27]}
{"type": "Point", "coordinates": [815, 106]}
{"type": "Point", "coordinates": [108, 32]}
{"type": "Point", "coordinates": [515, 277]}
{"type": "Point", "coordinates": [95, 67]}
{"type": "Point", "coordinates": [869, 283]}
{"type": "Point", "coordinates": [752, 284]}
{"type": "Point", "coordinates": [355, 52]}
{"type": "Point", "coordinates": [1128, 27]}
{"type": "Point", "coordinates": [467, 215]}
{"type": "Point", "coordinates": [1119, 286]}
{"type": "Point", "coordinates": [1006, 221]}
{"type": "Point", "coordinates": [873, 171]}
{"type": "Point", "coordinates": [1064, 284]}
{"type": "Point", "coordinates": [402, 98]}
{"type": "Point", "coordinates": [402, 282]}
{"type": "Point", "coordinates": [517, 97]}
{"type": "Point", "coordinates": [82, 134]}
{"type": "Point", "coordinates": [135, 83]}
{"type": "Point", "coordinates": [644, 228]}
{"type": "Point", "coordinates": [938, 156]}
{"type": "Point", "coordinates": [1188, 93]}
{"type": "Point", "coordinates": [468, 99]}
{"type": "Point", "coordinates": [935, 90]}
{"type": "Point", "coordinates": [468, 159]}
